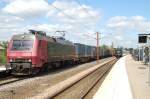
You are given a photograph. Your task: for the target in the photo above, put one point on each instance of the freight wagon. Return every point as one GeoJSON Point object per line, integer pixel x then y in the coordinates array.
{"type": "Point", "coordinates": [85, 52]}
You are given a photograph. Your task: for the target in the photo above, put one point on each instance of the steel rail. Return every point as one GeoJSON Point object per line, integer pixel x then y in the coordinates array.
{"type": "Point", "coordinates": [99, 79]}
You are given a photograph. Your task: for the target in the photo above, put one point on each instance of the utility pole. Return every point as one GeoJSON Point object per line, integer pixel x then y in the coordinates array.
{"type": "Point", "coordinates": [112, 49]}
{"type": "Point", "coordinates": [97, 48]}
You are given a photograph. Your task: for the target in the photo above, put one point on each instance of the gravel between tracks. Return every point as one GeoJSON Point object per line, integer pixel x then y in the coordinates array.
{"type": "Point", "coordinates": [32, 86]}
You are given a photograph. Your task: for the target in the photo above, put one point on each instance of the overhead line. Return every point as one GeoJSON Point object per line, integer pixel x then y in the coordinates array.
{"type": "Point", "coordinates": [70, 17]}
{"type": "Point", "coordinates": [87, 11]}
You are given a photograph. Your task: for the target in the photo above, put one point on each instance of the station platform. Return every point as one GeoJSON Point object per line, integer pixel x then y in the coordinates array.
{"type": "Point", "coordinates": [128, 79]}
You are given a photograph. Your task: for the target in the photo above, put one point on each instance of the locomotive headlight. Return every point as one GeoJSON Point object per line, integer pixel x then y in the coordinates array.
{"type": "Point", "coordinates": [11, 60]}
{"type": "Point", "coordinates": [29, 60]}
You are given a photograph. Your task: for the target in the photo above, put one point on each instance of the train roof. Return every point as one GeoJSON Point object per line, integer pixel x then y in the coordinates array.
{"type": "Point", "coordinates": [31, 36]}
{"type": "Point", "coordinates": [83, 45]}
{"type": "Point", "coordinates": [62, 40]}
{"type": "Point", "coordinates": [23, 36]}
{"type": "Point", "coordinates": [144, 34]}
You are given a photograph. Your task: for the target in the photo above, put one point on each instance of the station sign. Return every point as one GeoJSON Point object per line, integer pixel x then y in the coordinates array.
{"type": "Point", "coordinates": [144, 39]}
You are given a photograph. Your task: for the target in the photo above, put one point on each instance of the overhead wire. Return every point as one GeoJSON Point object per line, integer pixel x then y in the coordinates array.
{"type": "Point", "coordinates": [91, 18]}
{"type": "Point", "coordinates": [70, 17]}
{"type": "Point", "coordinates": [85, 9]}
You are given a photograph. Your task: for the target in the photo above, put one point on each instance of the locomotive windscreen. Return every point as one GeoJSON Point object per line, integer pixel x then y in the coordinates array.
{"type": "Point", "coordinates": [22, 45]}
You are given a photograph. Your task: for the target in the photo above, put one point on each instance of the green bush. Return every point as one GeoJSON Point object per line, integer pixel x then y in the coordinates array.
{"type": "Point", "coordinates": [3, 57]}
{"type": "Point", "coordinates": [3, 54]}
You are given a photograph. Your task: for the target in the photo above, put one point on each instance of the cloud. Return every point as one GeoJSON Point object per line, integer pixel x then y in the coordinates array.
{"type": "Point", "coordinates": [138, 23]}
{"type": "Point", "coordinates": [118, 37]}
{"type": "Point", "coordinates": [9, 19]}
{"type": "Point", "coordinates": [125, 29]}
{"type": "Point", "coordinates": [26, 8]}
{"type": "Point", "coordinates": [7, 1]}
{"type": "Point", "coordinates": [69, 14]}
{"type": "Point", "coordinates": [76, 14]}
{"type": "Point", "coordinates": [8, 23]}
{"type": "Point", "coordinates": [17, 16]}
{"type": "Point", "coordinates": [120, 23]}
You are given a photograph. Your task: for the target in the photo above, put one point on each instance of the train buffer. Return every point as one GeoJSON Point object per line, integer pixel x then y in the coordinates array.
{"type": "Point", "coordinates": [128, 79]}
{"type": "Point", "coordinates": [4, 68]}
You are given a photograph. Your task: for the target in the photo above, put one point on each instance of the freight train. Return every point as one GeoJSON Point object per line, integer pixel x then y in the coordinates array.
{"type": "Point", "coordinates": [32, 52]}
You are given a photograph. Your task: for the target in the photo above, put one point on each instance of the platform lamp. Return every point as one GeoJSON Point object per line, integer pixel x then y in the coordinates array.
{"type": "Point", "coordinates": [148, 41]}
{"type": "Point", "coordinates": [144, 40]}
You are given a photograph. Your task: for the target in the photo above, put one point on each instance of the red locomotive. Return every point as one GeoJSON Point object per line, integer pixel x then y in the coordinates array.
{"type": "Point", "coordinates": [32, 52]}
{"type": "Point", "coordinates": [29, 53]}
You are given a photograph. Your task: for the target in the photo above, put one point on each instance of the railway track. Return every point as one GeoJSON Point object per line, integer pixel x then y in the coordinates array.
{"type": "Point", "coordinates": [99, 79]}
{"type": "Point", "coordinates": [78, 86]}
{"type": "Point", "coordinates": [8, 80]}
{"type": "Point", "coordinates": [29, 87]}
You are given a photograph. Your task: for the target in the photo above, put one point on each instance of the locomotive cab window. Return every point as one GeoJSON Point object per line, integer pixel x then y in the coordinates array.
{"type": "Point", "coordinates": [22, 45]}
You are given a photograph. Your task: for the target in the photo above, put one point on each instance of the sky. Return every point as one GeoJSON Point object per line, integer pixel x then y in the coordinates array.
{"type": "Point", "coordinates": [117, 21]}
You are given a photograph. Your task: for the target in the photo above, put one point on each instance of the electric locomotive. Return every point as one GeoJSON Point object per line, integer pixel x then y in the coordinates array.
{"type": "Point", "coordinates": [30, 53]}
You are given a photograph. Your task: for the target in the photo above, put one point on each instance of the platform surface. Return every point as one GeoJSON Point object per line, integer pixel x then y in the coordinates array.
{"type": "Point", "coordinates": [128, 79]}
{"type": "Point", "coordinates": [139, 78]}
{"type": "Point", "coordinates": [116, 85]}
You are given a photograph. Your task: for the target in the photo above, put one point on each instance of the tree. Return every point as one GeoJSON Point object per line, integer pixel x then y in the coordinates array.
{"type": "Point", "coordinates": [104, 46]}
